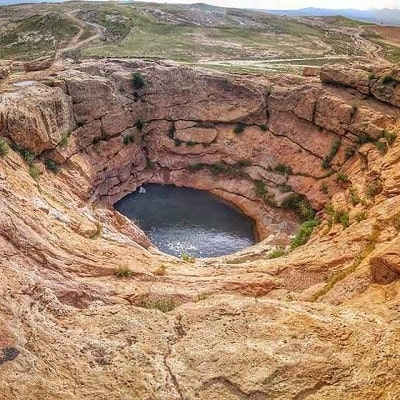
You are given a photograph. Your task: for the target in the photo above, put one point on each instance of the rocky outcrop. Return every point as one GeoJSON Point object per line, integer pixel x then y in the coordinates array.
{"type": "Point", "coordinates": [39, 64]}
{"type": "Point", "coordinates": [321, 321]}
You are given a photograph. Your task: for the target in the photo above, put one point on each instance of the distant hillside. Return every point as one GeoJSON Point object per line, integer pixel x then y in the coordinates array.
{"type": "Point", "coordinates": [384, 16]}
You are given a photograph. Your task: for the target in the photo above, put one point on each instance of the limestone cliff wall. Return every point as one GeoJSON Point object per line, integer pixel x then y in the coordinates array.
{"type": "Point", "coordinates": [319, 322]}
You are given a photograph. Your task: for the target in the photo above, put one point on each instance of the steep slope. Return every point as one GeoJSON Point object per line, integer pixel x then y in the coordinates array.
{"type": "Point", "coordinates": [318, 322]}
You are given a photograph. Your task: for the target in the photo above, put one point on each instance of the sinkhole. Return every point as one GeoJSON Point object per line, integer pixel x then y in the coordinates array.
{"type": "Point", "coordinates": [188, 221]}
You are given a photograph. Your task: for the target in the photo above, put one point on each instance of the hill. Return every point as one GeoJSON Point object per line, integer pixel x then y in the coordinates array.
{"type": "Point", "coordinates": [222, 38]}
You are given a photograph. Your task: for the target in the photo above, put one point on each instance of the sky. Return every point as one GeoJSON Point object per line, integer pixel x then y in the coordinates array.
{"type": "Point", "coordinates": [294, 4]}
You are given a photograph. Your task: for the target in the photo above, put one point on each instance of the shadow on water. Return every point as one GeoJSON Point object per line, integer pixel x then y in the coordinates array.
{"type": "Point", "coordinates": [183, 220]}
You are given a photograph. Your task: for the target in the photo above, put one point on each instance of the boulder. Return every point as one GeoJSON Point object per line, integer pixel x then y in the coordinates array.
{"type": "Point", "coordinates": [311, 71]}
{"type": "Point", "coordinates": [39, 64]}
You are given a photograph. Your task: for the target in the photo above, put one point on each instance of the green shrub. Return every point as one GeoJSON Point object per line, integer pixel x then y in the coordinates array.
{"type": "Point", "coordinates": [276, 253]}
{"type": "Point", "coordinates": [245, 162]}
{"type": "Point", "coordinates": [354, 197]}
{"type": "Point", "coordinates": [373, 188]}
{"type": "Point", "coordinates": [363, 138]}
{"type": "Point", "coordinates": [360, 216]}
{"type": "Point", "coordinates": [188, 258]}
{"type": "Point", "coordinates": [26, 154]}
{"type": "Point", "coordinates": [128, 139]}
{"type": "Point", "coordinates": [342, 216]}
{"type": "Point", "coordinates": [353, 110]}
{"type": "Point", "coordinates": [123, 272]}
{"type": "Point", "coordinates": [178, 142]}
{"type": "Point", "coordinates": [390, 137]}
{"type": "Point", "coordinates": [283, 169]}
{"type": "Point", "coordinates": [34, 172]}
{"type": "Point", "coordinates": [171, 132]}
{"type": "Point", "coordinates": [222, 167]}
{"type": "Point", "coordinates": [239, 128]}
{"type": "Point", "coordinates": [263, 127]}
{"type": "Point", "coordinates": [261, 188]}
{"type": "Point", "coordinates": [64, 139]}
{"type": "Point", "coordinates": [395, 221]}
{"type": "Point", "coordinates": [371, 76]}
{"type": "Point", "coordinates": [51, 164]}
{"type": "Point", "coordinates": [324, 188]}
{"type": "Point", "coordinates": [163, 304]}
{"type": "Point", "coordinates": [98, 232]}
{"type": "Point", "coordinates": [304, 233]}
{"type": "Point", "coordinates": [381, 147]}
{"type": "Point", "coordinates": [137, 80]}
{"type": "Point", "coordinates": [284, 188]}
{"type": "Point", "coordinates": [349, 152]}
{"type": "Point", "coordinates": [334, 148]}
{"type": "Point", "coordinates": [300, 205]}
{"type": "Point", "coordinates": [96, 140]}
{"type": "Point", "coordinates": [342, 178]}
{"type": "Point", "coordinates": [4, 148]}
{"type": "Point", "coordinates": [345, 220]}
{"type": "Point", "coordinates": [387, 79]}
{"type": "Point", "coordinates": [191, 143]}
{"type": "Point", "coordinates": [139, 125]}
{"type": "Point", "coordinates": [195, 167]}
{"type": "Point", "coordinates": [325, 163]}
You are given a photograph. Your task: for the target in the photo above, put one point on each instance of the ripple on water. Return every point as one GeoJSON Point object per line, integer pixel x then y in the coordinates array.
{"type": "Point", "coordinates": [183, 220]}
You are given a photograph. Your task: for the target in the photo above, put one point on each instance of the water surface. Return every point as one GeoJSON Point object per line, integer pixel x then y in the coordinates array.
{"type": "Point", "coordinates": [183, 220]}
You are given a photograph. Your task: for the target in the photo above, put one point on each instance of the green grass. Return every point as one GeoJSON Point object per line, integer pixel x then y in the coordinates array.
{"type": "Point", "coordinates": [98, 232]}
{"type": "Point", "coordinates": [187, 257]}
{"type": "Point", "coordinates": [222, 168]}
{"type": "Point", "coordinates": [34, 172]}
{"type": "Point", "coordinates": [300, 205]}
{"type": "Point", "coordinates": [25, 153]}
{"type": "Point", "coordinates": [163, 304]}
{"type": "Point", "coordinates": [4, 148]}
{"type": "Point", "coordinates": [339, 276]}
{"type": "Point", "coordinates": [36, 36]}
{"type": "Point", "coordinates": [276, 253]}
{"type": "Point", "coordinates": [283, 169]}
{"type": "Point", "coordinates": [51, 165]}
{"type": "Point", "coordinates": [123, 272]}
{"type": "Point", "coordinates": [387, 79]}
{"type": "Point", "coordinates": [304, 233]}
{"type": "Point", "coordinates": [326, 163]}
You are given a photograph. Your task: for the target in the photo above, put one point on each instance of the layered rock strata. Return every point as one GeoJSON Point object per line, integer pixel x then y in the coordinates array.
{"type": "Point", "coordinates": [318, 322]}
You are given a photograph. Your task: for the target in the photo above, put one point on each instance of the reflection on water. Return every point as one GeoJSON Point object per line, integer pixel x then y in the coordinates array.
{"type": "Point", "coordinates": [182, 220]}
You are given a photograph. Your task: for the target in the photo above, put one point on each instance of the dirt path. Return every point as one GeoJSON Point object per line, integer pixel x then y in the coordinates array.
{"type": "Point", "coordinates": [76, 41]}
{"type": "Point", "coordinates": [372, 50]}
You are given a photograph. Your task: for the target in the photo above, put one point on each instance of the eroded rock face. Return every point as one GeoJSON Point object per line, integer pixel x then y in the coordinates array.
{"type": "Point", "coordinates": [315, 323]}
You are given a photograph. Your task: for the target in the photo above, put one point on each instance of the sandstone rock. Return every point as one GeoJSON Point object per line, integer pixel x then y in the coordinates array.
{"type": "Point", "coordinates": [113, 124]}
{"type": "Point", "coordinates": [311, 71]}
{"type": "Point", "coordinates": [197, 135]}
{"type": "Point", "coordinates": [333, 113]}
{"type": "Point", "coordinates": [345, 76]}
{"type": "Point", "coordinates": [385, 268]}
{"type": "Point", "coordinates": [38, 64]}
{"type": "Point", "coordinates": [36, 117]}
{"type": "Point", "coordinates": [5, 69]}
{"type": "Point", "coordinates": [389, 92]}
{"type": "Point", "coordinates": [300, 100]}
{"type": "Point", "coordinates": [243, 325]}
